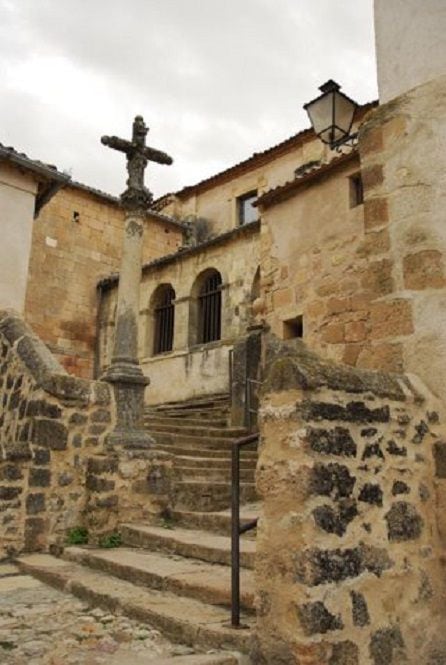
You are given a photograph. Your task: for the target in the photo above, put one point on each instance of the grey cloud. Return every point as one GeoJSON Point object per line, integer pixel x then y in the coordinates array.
{"type": "Point", "coordinates": [242, 68]}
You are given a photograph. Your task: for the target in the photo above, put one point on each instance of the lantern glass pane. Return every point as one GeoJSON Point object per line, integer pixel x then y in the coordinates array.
{"type": "Point", "coordinates": [344, 112]}
{"type": "Point", "coordinates": [321, 115]}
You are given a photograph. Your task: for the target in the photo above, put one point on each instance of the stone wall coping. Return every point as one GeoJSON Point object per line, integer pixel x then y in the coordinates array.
{"type": "Point", "coordinates": [43, 366]}
{"type": "Point", "coordinates": [292, 366]}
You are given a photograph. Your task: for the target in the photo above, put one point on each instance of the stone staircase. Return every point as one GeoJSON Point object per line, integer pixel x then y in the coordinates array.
{"type": "Point", "coordinates": [197, 433]}
{"type": "Point", "coordinates": [176, 575]}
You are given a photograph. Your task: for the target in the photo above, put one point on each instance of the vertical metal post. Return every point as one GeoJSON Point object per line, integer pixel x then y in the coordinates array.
{"type": "Point", "coordinates": [235, 537]}
{"type": "Point", "coordinates": [231, 379]}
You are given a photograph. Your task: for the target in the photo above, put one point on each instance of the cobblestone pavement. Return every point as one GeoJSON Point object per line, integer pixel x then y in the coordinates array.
{"type": "Point", "coordinates": [42, 626]}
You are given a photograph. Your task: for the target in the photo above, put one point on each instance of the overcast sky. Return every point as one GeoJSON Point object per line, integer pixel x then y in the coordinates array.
{"type": "Point", "coordinates": [215, 80]}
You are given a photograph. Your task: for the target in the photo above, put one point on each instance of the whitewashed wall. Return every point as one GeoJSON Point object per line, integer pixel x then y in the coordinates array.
{"type": "Point", "coordinates": [410, 44]}
{"type": "Point", "coordinates": [17, 197]}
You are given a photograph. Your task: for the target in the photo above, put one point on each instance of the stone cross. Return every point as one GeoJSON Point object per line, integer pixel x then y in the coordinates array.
{"type": "Point", "coordinates": [138, 155]}
{"type": "Point", "coordinates": [125, 371]}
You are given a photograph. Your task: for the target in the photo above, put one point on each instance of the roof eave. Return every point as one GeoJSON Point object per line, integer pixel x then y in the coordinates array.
{"type": "Point", "coordinates": [40, 170]}
{"type": "Point", "coordinates": [289, 189]}
{"type": "Point", "coordinates": [114, 200]}
{"type": "Point", "coordinates": [258, 159]}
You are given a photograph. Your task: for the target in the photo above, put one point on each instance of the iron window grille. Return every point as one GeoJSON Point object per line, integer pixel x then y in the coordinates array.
{"type": "Point", "coordinates": [164, 322]}
{"type": "Point", "coordinates": [209, 302]}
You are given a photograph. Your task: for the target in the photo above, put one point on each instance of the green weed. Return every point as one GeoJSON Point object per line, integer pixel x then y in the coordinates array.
{"type": "Point", "coordinates": [78, 535]}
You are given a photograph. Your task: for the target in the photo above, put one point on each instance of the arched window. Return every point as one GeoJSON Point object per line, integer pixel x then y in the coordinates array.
{"type": "Point", "coordinates": [164, 319]}
{"type": "Point", "coordinates": [209, 308]}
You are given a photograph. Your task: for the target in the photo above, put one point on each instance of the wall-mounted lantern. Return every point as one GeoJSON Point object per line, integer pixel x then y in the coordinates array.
{"type": "Point", "coordinates": [332, 114]}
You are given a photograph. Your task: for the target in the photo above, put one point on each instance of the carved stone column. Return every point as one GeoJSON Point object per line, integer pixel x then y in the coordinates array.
{"type": "Point", "coordinates": [125, 371]}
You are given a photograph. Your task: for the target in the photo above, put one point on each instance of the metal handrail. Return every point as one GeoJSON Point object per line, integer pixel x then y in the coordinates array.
{"type": "Point", "coordinates": [236, 529]}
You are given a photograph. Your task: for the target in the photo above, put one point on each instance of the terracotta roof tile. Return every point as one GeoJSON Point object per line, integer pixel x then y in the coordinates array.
{"type": "Point", "coordinates": [258, 158]}
{"type": "Point", "coordinates": [286, 190]}
{"type": "Point", "coordinates": [49, 171]}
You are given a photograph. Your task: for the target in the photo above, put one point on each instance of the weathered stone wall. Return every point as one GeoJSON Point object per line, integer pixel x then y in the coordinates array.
{"type": "Point", "coordinates": [315, 263]}
{"type": "Point", "coordinates": [403, 161]}
{"type": "Point", "coordinates": [190, 369]}
{"type": "Point", "coordinates": [57, 471]}
{"type": "Point", "coordinates": [124, 487]}
{"type": "Point", "coordinates": [349, 550]}
{"type": "Point", "coordinates": [369, 280]}
{"type": "Point", "coordinates": [77, 239]}
{"type": "Point", "coordinates": [50, 423]}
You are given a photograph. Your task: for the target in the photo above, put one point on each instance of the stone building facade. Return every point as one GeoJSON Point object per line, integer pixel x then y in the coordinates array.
{"type": "Point", "coordinates": [77, 240]}
{"type": "Point", "coordinates": [196, 368]}
{"type": "Point", "coordinates": [228, 233]}
{"type": "Point", "coordinates": [345, 251]}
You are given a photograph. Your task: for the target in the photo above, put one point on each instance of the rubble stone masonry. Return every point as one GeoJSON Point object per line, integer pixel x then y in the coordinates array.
{"type": "Point", "coordinates": [352, 469]}
{"type": "Point", "coordinates": [56, 471]}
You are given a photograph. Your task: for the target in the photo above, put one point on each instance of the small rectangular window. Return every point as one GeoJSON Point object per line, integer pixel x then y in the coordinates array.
{"type": "Point", "coordinates": [356, 190]}
{"type": "Point", "coordinates": [245, 210]}
{"type": "Point", "coordinates": [293, 327]}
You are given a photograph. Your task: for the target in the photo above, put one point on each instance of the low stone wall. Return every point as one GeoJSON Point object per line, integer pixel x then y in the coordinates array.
{"type": "Point", "coordinates": [124, 487]}
{"type": "Point", "coordinates": [50, 422]}
{"type": "Point", "coordinates": [349, 567]}
{"type": "Point", "coordinates": [53, 451]}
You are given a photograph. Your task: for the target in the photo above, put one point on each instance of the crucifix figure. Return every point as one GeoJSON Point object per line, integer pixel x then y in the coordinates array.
{"type": "Point", "coordinates": [125, 371]}
{"type": "Point", "coordinates": [138, 155]}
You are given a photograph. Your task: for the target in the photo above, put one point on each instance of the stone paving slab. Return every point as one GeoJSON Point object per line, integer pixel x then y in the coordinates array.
{"type": "Point", "coordinates": [40, 625]}
{"type": "Point", "coordinates": [185, 620]}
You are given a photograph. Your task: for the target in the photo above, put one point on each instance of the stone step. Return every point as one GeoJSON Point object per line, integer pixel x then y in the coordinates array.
{"type": "Point", "coordinates": [192, 543]}
{"type": "Point", "coordinates": [204, 473]}
{"type": "Point", "coordinates": [197, 659]}
{"type": "Point", "coordinates": [199, 432]}
{"type": "Point", "coordinates": [209, 583]}
{"type": "Point", "coordinates": [196, 414]}
{"type": "Point", "coordinates": [209, 495]}
{"type": "Point", "coordinates": [185, 420]}
{"type": "Point", "coordinates": [215, 522]}
{"type": "Point", "coordinates": [194, 451]}
{"type": "Point", "coordinates": [213, 462]}
{"type": "Point", "coordinates": [215, 398]}
{"type": "Point", "coordinates": [182, 619]}
{"type": "Point", "coordinates": [199, 440]}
